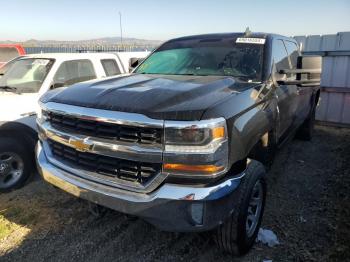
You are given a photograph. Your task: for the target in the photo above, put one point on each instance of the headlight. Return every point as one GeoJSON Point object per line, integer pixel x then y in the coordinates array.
{"type": "Point", "coordinates": [200, 136]}
{"type": "Point", "coordinates": [196, 149]}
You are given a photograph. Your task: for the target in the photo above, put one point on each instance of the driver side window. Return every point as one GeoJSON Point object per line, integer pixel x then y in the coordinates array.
{"type": "Point", "coordinates": [280, 55]}
{"type": "Point", "coordinates": [71, 72]}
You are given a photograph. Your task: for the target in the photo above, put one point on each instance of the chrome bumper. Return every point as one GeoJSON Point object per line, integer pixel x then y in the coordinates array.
{"type": "Point", "coordinates": [171, 207]}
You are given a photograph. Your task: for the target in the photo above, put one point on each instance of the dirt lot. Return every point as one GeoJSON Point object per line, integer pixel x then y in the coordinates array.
{"type": "Point", "coordinates": [308, 207]}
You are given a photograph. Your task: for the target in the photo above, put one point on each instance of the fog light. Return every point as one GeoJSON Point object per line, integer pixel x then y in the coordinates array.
{"type": "Point", "coordinates": [197, 213]}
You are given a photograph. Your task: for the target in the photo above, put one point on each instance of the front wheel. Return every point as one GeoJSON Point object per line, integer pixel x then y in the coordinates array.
{"type": "Point", "coordinates": [238, 233]}
{"type": "Point", "coordinates": [15, 164]}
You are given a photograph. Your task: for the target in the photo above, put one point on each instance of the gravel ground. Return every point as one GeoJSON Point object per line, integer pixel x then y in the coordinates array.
{"type": "Point", "coordinates": [308, 207]}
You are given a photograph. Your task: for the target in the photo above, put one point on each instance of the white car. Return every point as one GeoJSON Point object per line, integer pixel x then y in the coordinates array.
{"type": "Point", "coordinates": [24, 82]}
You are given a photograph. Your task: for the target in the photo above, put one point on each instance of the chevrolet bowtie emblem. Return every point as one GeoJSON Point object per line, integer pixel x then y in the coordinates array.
{"type": "Point", "coordinates": [80, 144]}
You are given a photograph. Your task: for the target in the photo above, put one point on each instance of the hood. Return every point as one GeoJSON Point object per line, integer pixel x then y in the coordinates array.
{"type": "Point", "coordinates": [156, 96]}
{"type": "Point", "coordinates": [16, 106]}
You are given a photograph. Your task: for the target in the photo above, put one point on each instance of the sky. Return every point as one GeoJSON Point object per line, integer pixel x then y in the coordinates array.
{"type": "Point", "coordinates": [21, 20]}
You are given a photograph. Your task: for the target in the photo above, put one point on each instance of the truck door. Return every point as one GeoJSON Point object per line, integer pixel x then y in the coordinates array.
{"type": "Point", "coordinates": [303, 93]}
{"type": "Point", "coordinates": [286, 94]}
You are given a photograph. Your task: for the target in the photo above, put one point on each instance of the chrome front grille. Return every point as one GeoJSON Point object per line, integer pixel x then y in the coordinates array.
{"type": "Point", "coordinates": [139, 172]}
{"type": "Point", "coordinates": [119, 149]}
{"type": "Point", "coordinates": [116, 132]}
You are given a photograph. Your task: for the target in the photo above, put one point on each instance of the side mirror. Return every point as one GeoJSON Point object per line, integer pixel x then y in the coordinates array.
{"type": "Point", "coordinates": [311, 70]}
{"type": "Point", "coordinates": [308, 72]}
{"type": "Point", "coordinates": [134, 62]}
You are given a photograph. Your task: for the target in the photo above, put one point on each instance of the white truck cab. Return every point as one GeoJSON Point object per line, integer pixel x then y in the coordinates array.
{"type": "Point", "coordinates": [24, 81]}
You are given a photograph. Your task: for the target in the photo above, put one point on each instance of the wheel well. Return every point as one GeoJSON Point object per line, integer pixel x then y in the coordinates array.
{"type": "Point", "coordinates": [20, 132]}
{"type": "Point", "coordinates": [263, 150]}
{"type": "Point", "coordinates": [238, 167]}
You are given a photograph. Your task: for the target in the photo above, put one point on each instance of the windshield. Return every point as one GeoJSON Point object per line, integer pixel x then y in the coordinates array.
{"type": "Point", "coordinates": [219, 57]}
{"type": "Point", "coordinates": [26, 75]}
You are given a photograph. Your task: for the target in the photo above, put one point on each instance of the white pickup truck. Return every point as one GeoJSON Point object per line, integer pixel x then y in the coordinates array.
{"type": "Point", "coordinates": [24, 82]}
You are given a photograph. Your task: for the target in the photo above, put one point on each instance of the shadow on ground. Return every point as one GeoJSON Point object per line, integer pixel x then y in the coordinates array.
{"type": "Point", "coordinates": [307, 207]}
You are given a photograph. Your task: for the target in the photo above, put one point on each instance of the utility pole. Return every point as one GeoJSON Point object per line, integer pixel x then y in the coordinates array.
{"type": "Point", "coordinates": [121, 30]}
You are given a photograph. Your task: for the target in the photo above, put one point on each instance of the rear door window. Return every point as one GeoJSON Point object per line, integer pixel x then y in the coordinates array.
{"type": "Point", "coordinates": [74, 71]}
{"type": "Point", "coordinates": [110, 66]}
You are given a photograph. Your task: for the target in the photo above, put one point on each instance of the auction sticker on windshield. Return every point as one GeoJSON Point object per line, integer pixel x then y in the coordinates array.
{"type": "Point", "coordinates": [247, 40]}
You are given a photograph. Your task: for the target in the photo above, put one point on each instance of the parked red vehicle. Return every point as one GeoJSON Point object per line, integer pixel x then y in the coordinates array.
{"type": "Point", "coordinates": [10, 51]}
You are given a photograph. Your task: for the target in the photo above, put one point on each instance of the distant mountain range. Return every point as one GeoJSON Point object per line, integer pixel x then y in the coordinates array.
{"type": "Point", "coordinates": [104, 41]}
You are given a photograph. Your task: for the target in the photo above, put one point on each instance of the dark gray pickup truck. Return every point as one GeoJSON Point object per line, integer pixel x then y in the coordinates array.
{"type": "Point", "coordinates": [184, 141]}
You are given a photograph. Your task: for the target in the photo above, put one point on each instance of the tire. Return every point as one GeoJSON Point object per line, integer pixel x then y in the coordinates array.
{"type": "Point", "coordinates": [16, 164]}
{"type": "Point", "coordinates": [232, 236]}
{"type": "Point", "coordinates": [306, 130]}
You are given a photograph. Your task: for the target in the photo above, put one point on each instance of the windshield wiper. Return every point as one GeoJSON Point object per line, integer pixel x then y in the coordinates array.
{"type": "Point", "coordinates": [10, 88]}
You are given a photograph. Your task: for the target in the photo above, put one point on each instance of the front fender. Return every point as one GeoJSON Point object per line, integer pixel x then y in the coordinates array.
{"type": "Point", "coordinates": [22, 131]}
{"type": "Point", "coordinates": [250, 127]}
{"type": "Point", "coordinates": [249, 115]}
